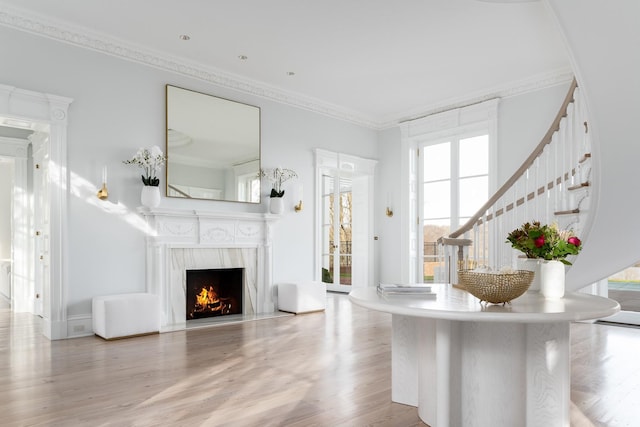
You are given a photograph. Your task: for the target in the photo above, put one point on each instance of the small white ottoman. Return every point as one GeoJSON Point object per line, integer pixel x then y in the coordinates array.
{"type": "Point", "coordinates": [126, 315]}
{"type": "Point", "coordinates": [302, 297]}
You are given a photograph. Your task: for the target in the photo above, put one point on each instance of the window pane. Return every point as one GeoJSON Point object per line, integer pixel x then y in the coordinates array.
{"type": "Point", "coordinates": [327, 268]}
{"type": "Point", "coordinates": [473, 194]}
{"type": "Point", "coordinates": [345, 209]}
{"type": "Point", "coordinates": [437, 200]}
{"type": "Point", "coordinates": [437, 161]}
{"type": "Point", "coordinates": [345, 270]}
{"type": "Point", "coordinates": [474, 156]}
{"type": "Point", "coordinates": [432, 231]}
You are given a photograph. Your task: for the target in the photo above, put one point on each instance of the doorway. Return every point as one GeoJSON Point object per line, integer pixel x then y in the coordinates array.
{"type": "Point", "coordinates": [16, 238]}
{"type": "Point", "coordinates": [46, 114]}
{"type": "Point", "coordinates": [344, 197]}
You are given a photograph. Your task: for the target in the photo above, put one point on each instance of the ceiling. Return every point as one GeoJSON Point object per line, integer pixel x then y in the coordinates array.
{"type": "Point", "coordinates": [373, 62]}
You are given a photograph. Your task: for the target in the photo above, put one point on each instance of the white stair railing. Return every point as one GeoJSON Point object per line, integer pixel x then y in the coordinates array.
{"type": "Point", "coordinates": [552, 185]}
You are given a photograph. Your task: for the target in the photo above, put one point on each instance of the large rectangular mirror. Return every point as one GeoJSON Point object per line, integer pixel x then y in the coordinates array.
{"type": "Point", "coordinates": [213, 147]}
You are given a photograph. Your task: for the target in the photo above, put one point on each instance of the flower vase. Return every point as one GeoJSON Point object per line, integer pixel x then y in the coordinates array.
{"type": "Point", "coordinates": [531, 264]}
{"type": "Point", "coordinates": [150, 196]}
{"type": "Point", "coordinates": [276, 205]}
{"type": "Point", "coordinates": [552, 279]}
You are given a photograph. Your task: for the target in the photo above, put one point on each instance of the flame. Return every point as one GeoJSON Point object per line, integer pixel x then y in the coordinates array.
{"type": "Point", "coordinates": [206, 296]}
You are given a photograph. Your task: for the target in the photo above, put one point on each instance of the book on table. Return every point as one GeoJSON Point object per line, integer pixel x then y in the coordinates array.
{"type": "Point", "coordinates": [398, 289]}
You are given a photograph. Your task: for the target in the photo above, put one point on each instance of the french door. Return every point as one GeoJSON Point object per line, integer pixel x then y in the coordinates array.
{"type": "Point", "coordinates": [337, 232]}
{"type": "Point", "coordinates": [344, 194]}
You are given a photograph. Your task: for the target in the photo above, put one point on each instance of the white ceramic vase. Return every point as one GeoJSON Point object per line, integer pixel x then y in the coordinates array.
{"type": "Point", "coordinates": [552, 275]}
{"type": "Point", "coordinates": [531, 264]}
{"type": "Point", "coordinates": [276, 205]}
{"type": "Point", "coordinates": [150, 196]}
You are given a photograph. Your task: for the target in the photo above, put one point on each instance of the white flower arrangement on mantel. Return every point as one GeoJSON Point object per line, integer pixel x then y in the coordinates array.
{"type": "Point", "coordinates": [277, 177]}
{"type": "Point", "coordinates": [150, 160]}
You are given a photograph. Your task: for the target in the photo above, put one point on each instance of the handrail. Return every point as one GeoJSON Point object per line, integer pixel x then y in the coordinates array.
{"type": "Point", "coordinates": [546, 139]}
{"type": "Point", "coordinates": [182, 193]}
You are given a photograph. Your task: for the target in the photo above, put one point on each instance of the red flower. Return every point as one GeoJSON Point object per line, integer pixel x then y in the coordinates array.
{"type": "Point", "coordinates": [574, 241]}
{"type": "Point", "coordinates": [539, 242]}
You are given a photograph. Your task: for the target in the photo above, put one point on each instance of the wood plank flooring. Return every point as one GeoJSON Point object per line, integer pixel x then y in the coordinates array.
{"type": "Point", "coordinates": [317, 369]}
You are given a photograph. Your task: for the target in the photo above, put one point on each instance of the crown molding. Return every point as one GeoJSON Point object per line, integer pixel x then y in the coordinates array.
{"type": "Point", "coordinates": [507, 90]}
{"type": "Point", "coordinates": [35, 24]}
{"type": "Point", "coordinates": [23, 20]}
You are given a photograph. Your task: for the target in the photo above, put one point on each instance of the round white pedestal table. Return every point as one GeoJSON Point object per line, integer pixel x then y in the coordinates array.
{"type": "Point", "coordinates": [463, 363]}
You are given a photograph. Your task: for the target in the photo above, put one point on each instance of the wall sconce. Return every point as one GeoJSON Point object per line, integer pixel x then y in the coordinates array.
{"type": "Point", "coordinates": [389, 212]}
{"type": "Point", "coordinates": [103, 193]}
{"type": "Point", "coordinates": [298, 196]}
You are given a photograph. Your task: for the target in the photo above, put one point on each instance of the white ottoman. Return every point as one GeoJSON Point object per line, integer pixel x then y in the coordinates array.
{"type": "Point", "coordinates": [126, 315]}
{"type": "Point", "coordinates": [302, 297]}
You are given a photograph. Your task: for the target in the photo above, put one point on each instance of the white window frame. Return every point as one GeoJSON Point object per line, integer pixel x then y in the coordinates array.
{"type": "Point", "coordinates": [416, 133]}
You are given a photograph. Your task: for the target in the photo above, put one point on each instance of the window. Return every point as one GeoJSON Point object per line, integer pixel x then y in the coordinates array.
{"type": "Point", "coordinates": [455, 184]}
{"type": "Point", "coordinates": [448, 172]}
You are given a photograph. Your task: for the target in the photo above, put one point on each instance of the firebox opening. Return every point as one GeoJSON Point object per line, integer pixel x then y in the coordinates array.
{"type": "Point", "coordinates": [214, 292]}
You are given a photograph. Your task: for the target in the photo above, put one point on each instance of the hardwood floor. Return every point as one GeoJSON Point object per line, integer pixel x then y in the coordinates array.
{"type": "Point", "coordinates": [317, 369]}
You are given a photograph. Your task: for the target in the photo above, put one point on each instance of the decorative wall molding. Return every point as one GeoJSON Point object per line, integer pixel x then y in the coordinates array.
{"type": "Point", "coordinates": [39, 25]}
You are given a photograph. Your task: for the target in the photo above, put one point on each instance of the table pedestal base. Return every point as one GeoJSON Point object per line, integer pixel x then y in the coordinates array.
{"type": "Point", "coordinates": [482, 373]}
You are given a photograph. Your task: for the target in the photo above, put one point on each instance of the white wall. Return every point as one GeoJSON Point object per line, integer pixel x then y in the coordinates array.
{"type": "Point", "coordinates": [120, 106]}
{"type": "Point", "coordinates": [6, 186]}
{"type": "Point", "coordinates": [523, 121]}
{"type": "Point", "coordinates": [388, 246]}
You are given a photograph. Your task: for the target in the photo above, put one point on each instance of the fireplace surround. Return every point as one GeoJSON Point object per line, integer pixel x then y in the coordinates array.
{"type": "Point", "coordinates": [181, 240]}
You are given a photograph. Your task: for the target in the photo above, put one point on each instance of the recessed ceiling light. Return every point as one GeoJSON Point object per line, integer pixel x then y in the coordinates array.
{"type": "Point", "coordinates": [290, 73]}
{"type": "Point", "coordinates": [243, 57]}
{"type": "Point", "coordinates": [184, 37]}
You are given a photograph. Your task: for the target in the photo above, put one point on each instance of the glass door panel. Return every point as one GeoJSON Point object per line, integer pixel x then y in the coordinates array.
{"type": "Point", "coordinates": [328, 244]}
{"type": "Point", "coordinates": [337, 232]}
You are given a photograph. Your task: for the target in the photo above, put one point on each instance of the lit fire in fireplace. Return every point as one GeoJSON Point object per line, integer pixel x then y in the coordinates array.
{"type": "Point", "coordinates": [208, 303]}
{"type": "Point", "coordinates": [213, 292]}
{"type": "Point", "coordinates": [207, 297]}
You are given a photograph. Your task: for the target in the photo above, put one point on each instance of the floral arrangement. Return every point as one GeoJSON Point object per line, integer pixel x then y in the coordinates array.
{"type": "Point", "coordinates": [150, 159]}
{"type": "Point", "coordinates": [545, 242]}
{"type": "Point", "coordinates": [277, 177]}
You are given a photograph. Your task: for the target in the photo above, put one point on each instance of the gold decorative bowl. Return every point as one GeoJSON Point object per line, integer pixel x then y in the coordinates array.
{"type": "Point", "coordinates": [496, 288]}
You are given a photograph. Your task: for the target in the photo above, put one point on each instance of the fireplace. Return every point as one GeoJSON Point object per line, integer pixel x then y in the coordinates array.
{"type": "Point", "coordinates": [182, 240]}
{"type": "Point", "coordinates": [214, 292]}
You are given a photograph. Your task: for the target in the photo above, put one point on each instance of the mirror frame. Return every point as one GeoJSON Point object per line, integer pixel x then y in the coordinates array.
{"type": "Point", "coordinates": [220, 102]}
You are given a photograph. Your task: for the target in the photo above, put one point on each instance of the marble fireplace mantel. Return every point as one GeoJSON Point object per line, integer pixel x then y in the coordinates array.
{"type": "Point", "coordinates": [181, 239]}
